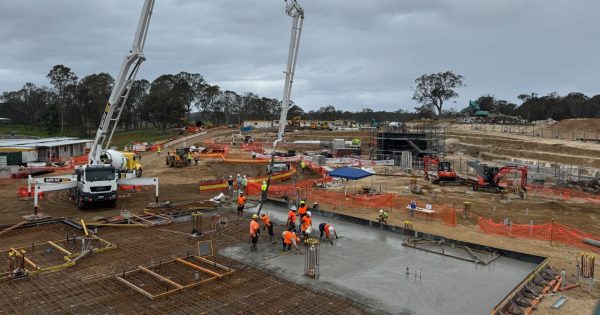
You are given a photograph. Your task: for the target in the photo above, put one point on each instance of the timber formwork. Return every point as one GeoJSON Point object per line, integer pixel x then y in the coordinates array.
{"type": "Point", "coordinates": [91, 287]}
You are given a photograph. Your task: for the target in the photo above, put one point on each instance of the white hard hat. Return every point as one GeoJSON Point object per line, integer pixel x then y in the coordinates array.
{"type": "Point", "coordinates": [238, 174]}
{"type": "Point", "coordinates": [330, 229]}
{"type": "Point", "coordinates": [244, 176]}
{"type": "Point", "coordinates": [381, 211]}
{"type": "Point", "coordinates": [264, 182]}
{"type": "Point", "coordinates": [293, 208]}
{"type": "Point", "coordinates": [308, 213]}
{"type": "Point", "coordinates": [230, 176]}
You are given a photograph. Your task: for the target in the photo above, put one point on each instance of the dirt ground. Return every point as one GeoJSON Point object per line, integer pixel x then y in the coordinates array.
{"type": "Point", "coordinates": [181, 185]}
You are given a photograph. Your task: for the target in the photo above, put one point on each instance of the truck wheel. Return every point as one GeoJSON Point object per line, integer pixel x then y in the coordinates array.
{"type": "Point", "coordinates": [80, 203]}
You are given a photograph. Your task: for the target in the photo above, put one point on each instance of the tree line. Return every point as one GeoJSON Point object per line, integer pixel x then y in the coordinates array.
{"type": "Point", "coordinates": [73, 106]}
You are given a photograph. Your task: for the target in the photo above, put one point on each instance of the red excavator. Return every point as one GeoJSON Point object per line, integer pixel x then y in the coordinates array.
{"type": "Point", "coordinates": [488, 177]}
{"type": "Point", "coordinates": [445, 174]}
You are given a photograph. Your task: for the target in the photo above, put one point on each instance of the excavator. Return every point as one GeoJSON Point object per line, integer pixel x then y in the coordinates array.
{"type": "Point", "coordinates": [488, 177]}
{"type": "Point", "coordinates": [445, 174]}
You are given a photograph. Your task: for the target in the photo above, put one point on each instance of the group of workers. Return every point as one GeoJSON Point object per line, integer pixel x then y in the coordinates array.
{"type": "Point", "coordinates": [242, 185]}
{"type": "Point", "coordinates": [293, 233]}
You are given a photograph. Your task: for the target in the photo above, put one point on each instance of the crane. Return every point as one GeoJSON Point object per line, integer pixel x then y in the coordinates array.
{"type": "Point", "coordinates": [296, 12]}
{"type": "Point", "coordinates": [98, 181]}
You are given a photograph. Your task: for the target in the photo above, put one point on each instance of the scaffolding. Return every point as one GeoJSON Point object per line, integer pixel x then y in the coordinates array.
{"type": "Point", "coordinates": [426, 138]}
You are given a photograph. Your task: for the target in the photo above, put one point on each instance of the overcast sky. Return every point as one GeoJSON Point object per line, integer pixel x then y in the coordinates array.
{"type": "Point", "coordinates": [353, 53]}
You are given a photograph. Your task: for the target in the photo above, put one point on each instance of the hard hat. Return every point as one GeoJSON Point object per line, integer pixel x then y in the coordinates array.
{"type": "Point", "coordinates": [331, 229]}
{"type": "Point", "coordinates": [264, 182]}
{"type": "Point", "coordinates": [293, 208]}
{"type": "Point", "coordinates": [254, 216]}
{"type": "Point", "coordinates": [241, 192]}
{"type": "Point", "coordinates": [302, 202]}
{"type": "Point", "coordinates": [244, 176]}
{"type": "Point", "coordinates": [239, 175]}
{"type": "Point", "coordinates": [381, 211]}
{"type": "Point", "coordinates": [230, 176]}
{"type": "Point", "coordinates": [308, 213]}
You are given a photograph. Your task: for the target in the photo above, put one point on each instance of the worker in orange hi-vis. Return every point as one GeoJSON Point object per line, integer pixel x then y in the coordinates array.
{"type": "Point", "coordinates": [241, 201]}
{"type": "Point", "coordinates": [328, 230]}
{"type": "Point", "coordinates": [254, 232]}
{"type": "Point", "coordinates": [302, 209]}
{"type": "Point", "coordinates": [306, 225]}
{"type": "Point", "coordinates": [268, 225]}
{"type": "Point", "coordinates": [291, 220]}
{"type": "Point", "coordinates": [289, 239]}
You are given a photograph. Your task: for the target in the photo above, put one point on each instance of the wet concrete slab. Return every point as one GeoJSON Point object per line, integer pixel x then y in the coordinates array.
{"type": "Point", "coordinates": [369, 266]}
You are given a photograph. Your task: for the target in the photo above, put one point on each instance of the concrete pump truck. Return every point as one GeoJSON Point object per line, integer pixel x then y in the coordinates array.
{"type": "Point", "coordinates": [98, 181]}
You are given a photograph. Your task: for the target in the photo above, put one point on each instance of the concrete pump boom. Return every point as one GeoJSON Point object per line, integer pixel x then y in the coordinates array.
{"type": "Point", "coordinates": [123, 83]}
{"type": "Point", "coordinates": [294, 10]}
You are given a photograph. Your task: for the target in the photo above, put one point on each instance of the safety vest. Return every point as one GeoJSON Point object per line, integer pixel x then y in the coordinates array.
{"type": "Point", "coordinates": [263, 188]}
{"type": "Point", "coordinates": [327, 226]}
{"type": "Point", "coordinates": [241, 200]}
{"type": "Point", "coordinates": [306, 222]}
{"type": "Point", "coordinates": [303, 209]}
{"type": "Point", "coordinates": [302, 164]}
{"type": "Point", "coordinates": [292, 216]}
{"type": "Point", "coordinates": [266, 220]}
{"type": "Point", "coordinates": [254, 227]}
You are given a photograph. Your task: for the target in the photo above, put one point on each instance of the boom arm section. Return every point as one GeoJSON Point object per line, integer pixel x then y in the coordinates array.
{"type": "Point", "coordinates": [123, 83]}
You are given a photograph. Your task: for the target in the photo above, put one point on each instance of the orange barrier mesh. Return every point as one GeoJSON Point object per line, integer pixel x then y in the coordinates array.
{"type": "Point", "coordinates": [22, 192]}
{"type": "Point", "coordinates": [254, 147]}
{"type": "Point", "coordinates": [553, 232]}
{"type": "Point", "coordinates": [565, 194]}
{"type": "Point", "coordinates": [339, 201]}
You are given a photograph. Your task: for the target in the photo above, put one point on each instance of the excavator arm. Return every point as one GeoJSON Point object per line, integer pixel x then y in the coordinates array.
{"type": "Point", "coordinates": [508, 169]}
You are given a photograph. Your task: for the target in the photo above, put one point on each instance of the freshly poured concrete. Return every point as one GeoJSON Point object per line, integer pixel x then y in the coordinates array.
{"type": "Point", "coordinates": [369, 267]}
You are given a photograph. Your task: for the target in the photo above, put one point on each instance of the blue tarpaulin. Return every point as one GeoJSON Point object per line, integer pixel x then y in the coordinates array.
{"type": "Point", "coordinates": [349, 173]}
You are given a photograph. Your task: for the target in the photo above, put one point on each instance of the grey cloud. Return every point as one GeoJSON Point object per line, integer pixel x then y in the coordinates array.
{"type": "Point", "coordinates": [353, 53]}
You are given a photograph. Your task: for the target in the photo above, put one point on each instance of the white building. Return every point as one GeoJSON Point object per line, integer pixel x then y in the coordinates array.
{"type": "Point", "coordinates": [261, 123]}
{"type": "Point", "coordinates": [45, 149]}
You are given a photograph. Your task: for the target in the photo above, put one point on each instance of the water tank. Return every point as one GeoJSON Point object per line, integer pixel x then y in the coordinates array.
{"type": "Point", "coordinates": [116, 159]}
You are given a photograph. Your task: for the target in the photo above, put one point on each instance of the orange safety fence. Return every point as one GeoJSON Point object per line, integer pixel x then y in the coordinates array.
{"type": "Point", "coordinates": [22, 192]}
{"type": "Point", "coordinates": [79, 160]}
{"type": "Point", "coordinates": [552, 232]}
{"type": "Point", "coordinates": [564, 193]}
{"type": "Point", "coordinates": [339, 201]}
{"type": "Point", "coordinates": [253, 147]}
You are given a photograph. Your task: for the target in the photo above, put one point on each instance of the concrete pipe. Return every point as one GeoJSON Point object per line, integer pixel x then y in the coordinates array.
{"type": "Point", "coordinates": [592, 242]}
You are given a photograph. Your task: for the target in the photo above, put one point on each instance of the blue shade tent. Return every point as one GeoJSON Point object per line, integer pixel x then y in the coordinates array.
{"type": "Point", "coordinates": [349, 173]}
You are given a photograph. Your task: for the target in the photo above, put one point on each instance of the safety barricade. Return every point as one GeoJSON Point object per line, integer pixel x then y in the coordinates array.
{"type": "Point", "coordinates": [552, 232]}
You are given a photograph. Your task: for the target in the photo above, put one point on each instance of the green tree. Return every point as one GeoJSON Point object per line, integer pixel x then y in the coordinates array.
{"type": "Point", "coordinates": [166, 102]}
{"type": "Point", "coordinates": [434, 89]}
{"type": "Point", "coordinates": [61, 76]}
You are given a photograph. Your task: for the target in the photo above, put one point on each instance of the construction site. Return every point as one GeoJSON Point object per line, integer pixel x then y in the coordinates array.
{"type": "Point", "coordinates": [424, 216]}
